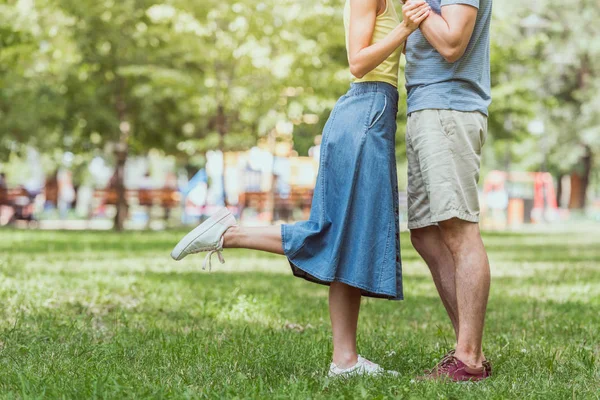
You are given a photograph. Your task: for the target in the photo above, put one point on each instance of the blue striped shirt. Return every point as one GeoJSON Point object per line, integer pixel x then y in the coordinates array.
{"type": "Point", "coordinates": [434, 83]}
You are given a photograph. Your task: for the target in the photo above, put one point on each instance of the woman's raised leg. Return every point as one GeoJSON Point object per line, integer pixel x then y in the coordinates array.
{"type": "Point", "coordinates": [266, 238]}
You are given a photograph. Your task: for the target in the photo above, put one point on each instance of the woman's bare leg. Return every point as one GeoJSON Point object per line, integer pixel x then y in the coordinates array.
{"type": "Point", "coordinates": [344, 305]}
{"type": "Point", "coordinates": [267, 238]}
{"type": "Point", "coordinates": [344, 300]}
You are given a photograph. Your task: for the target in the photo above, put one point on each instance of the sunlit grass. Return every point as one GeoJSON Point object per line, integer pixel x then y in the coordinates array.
{"type": "Point", "coordinates": [102, 315]}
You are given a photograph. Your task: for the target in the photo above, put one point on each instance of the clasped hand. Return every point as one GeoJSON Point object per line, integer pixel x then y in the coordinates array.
{"type": "Point", "coordinates": [414, 12]}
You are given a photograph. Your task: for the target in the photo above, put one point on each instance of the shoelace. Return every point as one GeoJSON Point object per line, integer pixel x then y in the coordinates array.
{"type": "Point", "coordinates": [443, 361]}
{"type": "Point", "coordinates": [219, 251]}
{"type": "Point", "coordinates": [444, 364]}
{"type": "Point", "coordinates": [487, 366]}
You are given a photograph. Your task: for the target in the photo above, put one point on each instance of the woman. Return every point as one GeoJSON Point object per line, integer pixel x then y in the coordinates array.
{"type": "Point", "coordinates": [351, 241]}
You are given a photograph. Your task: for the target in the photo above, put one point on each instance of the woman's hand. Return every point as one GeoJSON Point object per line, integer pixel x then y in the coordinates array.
{"type": "Point", "coordinates": [415, 12]}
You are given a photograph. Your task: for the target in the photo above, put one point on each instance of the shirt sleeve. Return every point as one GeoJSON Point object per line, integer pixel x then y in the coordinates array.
{"type": "Point", "coordinates": [474, 3]}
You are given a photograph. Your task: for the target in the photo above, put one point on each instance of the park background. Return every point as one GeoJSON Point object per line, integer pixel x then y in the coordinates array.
{"type": "Point", "coordinates": [144, 116]}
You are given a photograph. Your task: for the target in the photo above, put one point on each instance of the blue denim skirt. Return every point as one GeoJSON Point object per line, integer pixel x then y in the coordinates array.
{"type": "Point", "coordinates": [353, 233]}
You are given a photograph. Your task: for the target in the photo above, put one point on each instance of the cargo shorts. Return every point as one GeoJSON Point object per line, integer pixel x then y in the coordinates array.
{"type": "Point", "coordinates": [443, 149]}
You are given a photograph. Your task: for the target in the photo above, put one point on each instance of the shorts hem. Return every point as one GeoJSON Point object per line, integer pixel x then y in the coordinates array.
{"type": "Point", "coordinates": [443, 217]}
{"type": "Point", "coordinates": [455, 214]}
{"type": "Point", "coordinates": [420, 224]}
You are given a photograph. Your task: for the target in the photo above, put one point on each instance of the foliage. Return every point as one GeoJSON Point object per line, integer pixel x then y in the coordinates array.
{"type": "Point", "coordinates": [188, 76]}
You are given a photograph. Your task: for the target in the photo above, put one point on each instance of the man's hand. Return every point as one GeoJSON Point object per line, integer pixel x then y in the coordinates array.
{"type": "Point", "coordinates": [450, 32]}
{"type": "Point", "coordinates": [415, 12]}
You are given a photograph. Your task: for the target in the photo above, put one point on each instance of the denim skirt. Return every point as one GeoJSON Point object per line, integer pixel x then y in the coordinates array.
{"type": "Point", "coordinates": [353, 234]}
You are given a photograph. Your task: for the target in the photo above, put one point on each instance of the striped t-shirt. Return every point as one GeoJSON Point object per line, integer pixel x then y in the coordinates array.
{"type": "Point", "coordinates": [433, 83]}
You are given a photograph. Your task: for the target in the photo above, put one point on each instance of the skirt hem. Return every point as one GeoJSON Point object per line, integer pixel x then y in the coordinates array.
{"type": "Point", "coordinates": [304, 273]}
{"type": "Point", "coordinates": [300, 272]}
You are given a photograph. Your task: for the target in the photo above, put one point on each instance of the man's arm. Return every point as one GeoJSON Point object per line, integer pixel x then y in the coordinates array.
{"type": "Point", "coordinates": [451, 32]}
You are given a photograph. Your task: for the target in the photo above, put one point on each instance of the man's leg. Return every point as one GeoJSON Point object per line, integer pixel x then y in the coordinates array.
{"type": "Point", "coordinates": [428, 240]}
{"type": "Point", "coordinates": [430, 245]}
{"type": "Point", "coordinates": [463, 239]}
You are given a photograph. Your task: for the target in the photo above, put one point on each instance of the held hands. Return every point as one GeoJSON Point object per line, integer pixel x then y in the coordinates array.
{"type": "Point", "coordinates": [415, 12]}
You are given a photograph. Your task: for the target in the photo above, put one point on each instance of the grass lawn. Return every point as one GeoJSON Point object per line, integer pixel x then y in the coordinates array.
{"type": "Point", "coordinates": [102, 315]}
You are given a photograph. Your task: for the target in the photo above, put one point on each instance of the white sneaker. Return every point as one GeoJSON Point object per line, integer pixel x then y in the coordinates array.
{"type": "Point", "coordinates": [208, 236]}
{"type": "Point", "coordinates": [362, 367]}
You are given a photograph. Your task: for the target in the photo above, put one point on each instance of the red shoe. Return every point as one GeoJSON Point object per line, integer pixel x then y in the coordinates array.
{"type": "Point", "coordinates": [455, 370]}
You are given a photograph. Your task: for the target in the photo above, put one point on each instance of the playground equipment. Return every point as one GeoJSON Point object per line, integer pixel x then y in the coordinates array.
{"type": "Point", "coordinates": [516, 198]}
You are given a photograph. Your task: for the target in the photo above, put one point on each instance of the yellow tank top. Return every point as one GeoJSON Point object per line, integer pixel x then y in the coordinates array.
{"type": "Point", "coordinates": [387, 71]}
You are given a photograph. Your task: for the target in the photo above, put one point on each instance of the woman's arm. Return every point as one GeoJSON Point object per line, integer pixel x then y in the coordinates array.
{"type": "Point", "coordinates": [364, 57]}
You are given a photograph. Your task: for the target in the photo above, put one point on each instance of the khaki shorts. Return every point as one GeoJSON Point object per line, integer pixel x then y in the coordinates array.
{"type": "Point", "coordinates": [443, 148]}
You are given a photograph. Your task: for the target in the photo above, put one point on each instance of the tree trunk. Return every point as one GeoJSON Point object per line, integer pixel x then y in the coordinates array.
{"type": "Point", "coordinates": [559, 189]}
{"type": "Point", "coordinates": [507, 156]}
{"type": "Point", "coordinates": [121, 151]}
{"type": "Point", "coordinates": [585, 177]}
{"type": "Point", "coordinates": [121, 215]}
{"type": "Point", "coordinates": [273, 192]}
{"type": "Point", "coordinates": [221, 123]}
{"type": "Point", "coordinates": [575, 198]}
{"type": "Point", "coordinates": [580, 182]}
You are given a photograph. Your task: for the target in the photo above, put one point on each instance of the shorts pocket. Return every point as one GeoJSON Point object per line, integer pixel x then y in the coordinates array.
{"type": "Point", "coordinates": [484, 129]}
{"type": "Point", "coordinates": [477, 128]}
{"type": "Point", "coordinates": [448, 122]}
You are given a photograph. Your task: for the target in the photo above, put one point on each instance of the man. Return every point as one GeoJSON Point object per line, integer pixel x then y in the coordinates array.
{"type": "Point", "coordinates": [448, 84]}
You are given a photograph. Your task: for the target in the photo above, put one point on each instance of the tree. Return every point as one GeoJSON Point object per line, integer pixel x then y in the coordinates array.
{"type": "Point", "coordinates": [570, 74]}
{"type": "Point", "coordinates": [34, 59]}
{"type": "Point", "coordinates": [187, 77]}
{"type": "Point", "coordinates": [124, 89]}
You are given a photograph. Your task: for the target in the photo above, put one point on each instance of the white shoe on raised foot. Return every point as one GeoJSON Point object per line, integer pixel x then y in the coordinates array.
{"type": "Point", "coordinates": [362, 367]}
{"type": "Point", "coordinates": [208, 236]}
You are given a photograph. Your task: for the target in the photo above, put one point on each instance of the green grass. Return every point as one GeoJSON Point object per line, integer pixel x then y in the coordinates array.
{"type": "Point", "coordinates": [102, 315]}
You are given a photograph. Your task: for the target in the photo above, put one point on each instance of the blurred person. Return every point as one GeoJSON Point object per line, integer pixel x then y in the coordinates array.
{"type": "Point", "coordinates": [170, 180]}
{"type": "Point", "coordinates": [351, 241]}
{"type": "Point", "coordinates": [6, 212]}
{"type": "Point", "coordinates": [100, 173]}
{"type": "Point", "coordinates": [448, 83]}
{"type": "Point", "coordinates": [215, 170]}
{"type": "Point", "coordinates": [66, 190]}
{"type": "Point", "coordinates": [146, 182]}
{"type": "Point", "coordinates": [194, 195]}
{"type": "Point", "coordinates": [51, 191]}
{"type": "Point", "coordinates": [31, 188]}
{"type": "Point", "coordinates": [36, 179]}
{"type": "Point", "coordinates": [3, 198]}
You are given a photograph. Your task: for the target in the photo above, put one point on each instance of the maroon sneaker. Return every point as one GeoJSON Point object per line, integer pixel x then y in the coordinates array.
{"type": "Point", "coordinates": [455, 370]}
{"type": "Point", "coordinates": [444, 360]}
{"type": "Point", "coordinates": [448, 357]}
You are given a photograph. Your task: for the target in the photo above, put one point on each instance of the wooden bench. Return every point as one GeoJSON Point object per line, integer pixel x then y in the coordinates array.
{"type": "Point", "coordinates": [298, 198]}
{"type": "Point", "coordinates": [165, 198]}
